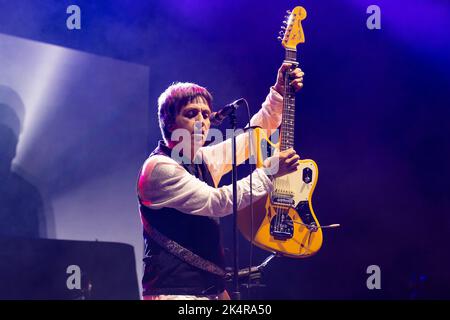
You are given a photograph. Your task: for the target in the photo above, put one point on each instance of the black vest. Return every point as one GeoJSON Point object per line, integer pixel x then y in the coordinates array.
{"type": "Point", "coordinates": [167, 274]}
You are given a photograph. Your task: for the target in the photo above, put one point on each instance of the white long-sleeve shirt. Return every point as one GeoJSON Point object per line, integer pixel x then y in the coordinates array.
{"type": "Point", "coordinates": [165, 183]}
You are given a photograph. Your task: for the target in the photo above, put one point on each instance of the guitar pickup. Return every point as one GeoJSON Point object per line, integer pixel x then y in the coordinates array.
{"type": "Point", "coordinates": [283, 200]}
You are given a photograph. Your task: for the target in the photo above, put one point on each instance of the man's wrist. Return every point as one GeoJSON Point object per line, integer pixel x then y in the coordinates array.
{"type": "Point", "coordinates": [268, 173]}
{"type": "Point", "coordinates": [278, 89]}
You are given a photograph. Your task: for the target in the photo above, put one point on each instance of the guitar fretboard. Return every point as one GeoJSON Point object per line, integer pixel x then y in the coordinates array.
{"type": "Point", "coordinates": [288, 118]}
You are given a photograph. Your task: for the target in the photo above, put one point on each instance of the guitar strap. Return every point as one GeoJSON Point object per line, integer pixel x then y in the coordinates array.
{"type": "Point", "coordinates": [181, 252]}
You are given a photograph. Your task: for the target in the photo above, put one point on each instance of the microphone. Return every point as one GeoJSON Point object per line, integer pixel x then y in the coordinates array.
{"type": "Point", "coordinates": [216, 118]}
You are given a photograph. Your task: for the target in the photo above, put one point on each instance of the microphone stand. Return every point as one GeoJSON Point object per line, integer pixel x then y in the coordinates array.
{"type": "Point", "coordinates": [235, 295]}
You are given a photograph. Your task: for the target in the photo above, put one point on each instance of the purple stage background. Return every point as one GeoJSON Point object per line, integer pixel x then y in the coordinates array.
{"type": "Point", "coordinates": [373, 114]}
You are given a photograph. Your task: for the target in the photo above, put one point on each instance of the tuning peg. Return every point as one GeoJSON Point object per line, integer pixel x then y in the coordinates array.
{"type": "Point", "coordinates": [288, 11]}
{"type": "Point", "coordinates": [285, 22]}
{"type": "Point", "coordinates": [280, 38]}
{"type": "Point", "coordinates": [283, 28]}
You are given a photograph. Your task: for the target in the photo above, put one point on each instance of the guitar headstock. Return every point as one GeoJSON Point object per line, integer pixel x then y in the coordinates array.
{"type": "Point", "coordinates": [292, 31]}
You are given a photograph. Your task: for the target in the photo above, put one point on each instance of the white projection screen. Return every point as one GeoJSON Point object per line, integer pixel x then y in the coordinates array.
{"type": "Point", "coordinates": [84, 128]}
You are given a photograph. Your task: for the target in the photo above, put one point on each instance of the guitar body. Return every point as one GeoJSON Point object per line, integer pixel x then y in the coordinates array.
{"type": "Point", "coordinates": [289, 229]}
{"type": "Point", "coordinates": [284, 221]}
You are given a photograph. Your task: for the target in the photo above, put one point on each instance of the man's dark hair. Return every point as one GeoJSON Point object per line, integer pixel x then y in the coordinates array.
{"type": "Point", "coordinates": [173, 99]}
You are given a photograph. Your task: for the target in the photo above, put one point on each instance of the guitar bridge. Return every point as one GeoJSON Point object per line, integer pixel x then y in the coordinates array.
{"type": "Point", "coordinates": [281, 225]}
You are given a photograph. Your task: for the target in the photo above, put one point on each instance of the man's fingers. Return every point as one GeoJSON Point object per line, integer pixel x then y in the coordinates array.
{"type": "Point", "coordinates": [293, 159]}
{"type": "Point", "coordinates": [285, 66]}
{"type": "Point", "coordinates": [289, 152]}
{"type": "Point", "coordinates": [296, 81]}
{"type": "Point", "coordinates": [293, 166]}
{"type": "Point", "coordinates": [297, 73]}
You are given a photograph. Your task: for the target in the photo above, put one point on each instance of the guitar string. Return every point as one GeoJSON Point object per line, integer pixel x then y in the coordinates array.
{"type": "Point", "coordinates": [282, 143]}
{"type": "Point", "coordinates": [283, 134]}
{"type": "Point", "coordinates": [283, 212]}
{"type": "Point", "coordinates": [286, 126]}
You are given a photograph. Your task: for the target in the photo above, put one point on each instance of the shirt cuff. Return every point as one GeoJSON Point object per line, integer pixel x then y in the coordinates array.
{"type": "Point", "coordinates": [275, 101]}
{"type": "Point", "coordinates": [275, 96]}
{"type": "Point", "coordinates": [266, 181]}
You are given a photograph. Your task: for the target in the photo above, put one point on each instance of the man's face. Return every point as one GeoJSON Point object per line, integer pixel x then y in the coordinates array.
{"type": "Point", "coordinates": [194, 117]}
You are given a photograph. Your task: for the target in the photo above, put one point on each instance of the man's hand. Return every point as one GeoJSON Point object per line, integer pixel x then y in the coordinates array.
{"type": "Point", "coordinates": [282, 163]}
{"type": "Point", "coordinates": [296, 76]}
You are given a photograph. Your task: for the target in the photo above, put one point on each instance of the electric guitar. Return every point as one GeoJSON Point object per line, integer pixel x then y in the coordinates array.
{"type": "Point", "coordinates": [284, 221]}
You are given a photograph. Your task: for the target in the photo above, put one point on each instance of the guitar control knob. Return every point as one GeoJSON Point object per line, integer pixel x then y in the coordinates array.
{"type": "Point", "coordinates": [307, 175]}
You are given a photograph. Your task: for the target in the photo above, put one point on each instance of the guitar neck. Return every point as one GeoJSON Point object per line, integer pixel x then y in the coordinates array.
{"type": "Point", "coordinates": [288, 117]}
